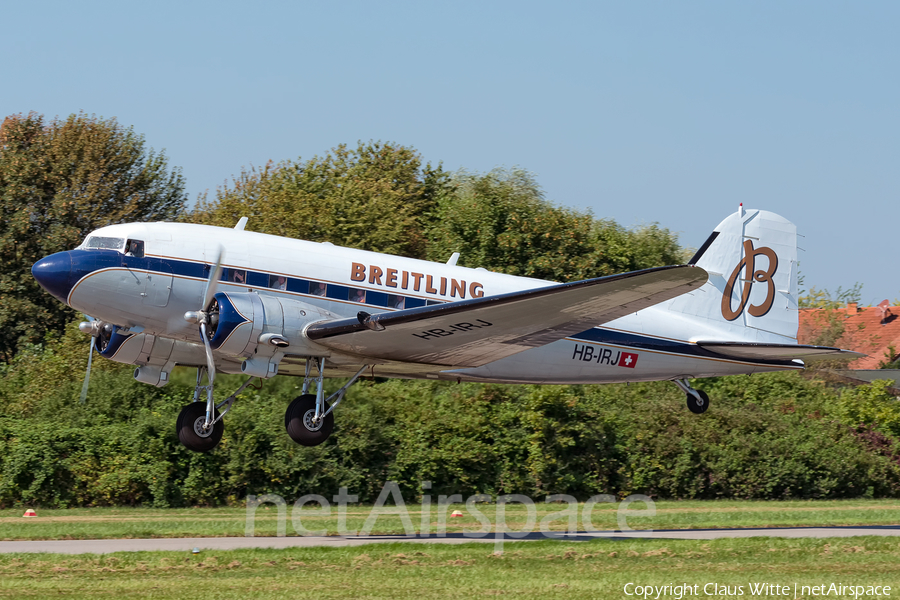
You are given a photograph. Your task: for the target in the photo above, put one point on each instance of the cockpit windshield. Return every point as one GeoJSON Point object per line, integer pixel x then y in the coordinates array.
{"type": "Point", "coordinates": [105, 243]}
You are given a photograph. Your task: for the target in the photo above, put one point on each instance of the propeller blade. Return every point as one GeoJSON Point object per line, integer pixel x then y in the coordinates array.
{"type": "Point", "coordinates": [213, 280]}
{"type": "Point", "coordinates": [210, 361]}
{"type": "Point", "coordinates": [87, 375]}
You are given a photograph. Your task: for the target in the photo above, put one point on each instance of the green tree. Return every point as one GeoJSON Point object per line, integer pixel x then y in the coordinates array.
{"type": "Point", "coordinates": [502, 222]}
{"type": "Point", "coordinates": [378, 196]}
{"type": "Point", "coordinates": [816, 298]}
{"type": "Point", "coordinates": [58, 181]}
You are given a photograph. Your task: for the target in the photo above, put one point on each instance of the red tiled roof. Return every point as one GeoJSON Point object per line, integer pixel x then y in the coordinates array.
{"type": "Point", "coordinates": [870, 330]}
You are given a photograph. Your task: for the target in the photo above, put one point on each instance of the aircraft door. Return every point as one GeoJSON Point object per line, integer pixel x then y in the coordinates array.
{"type": "Point", "coordinates": [158, 285]}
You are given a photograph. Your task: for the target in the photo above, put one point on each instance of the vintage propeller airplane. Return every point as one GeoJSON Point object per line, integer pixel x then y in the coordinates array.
{"type": "Point", "coordinates": [234, 301]}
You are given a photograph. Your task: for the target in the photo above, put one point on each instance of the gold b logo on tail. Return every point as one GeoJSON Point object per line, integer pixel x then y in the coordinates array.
{"type": "Point", "coordinates": [748, 265]}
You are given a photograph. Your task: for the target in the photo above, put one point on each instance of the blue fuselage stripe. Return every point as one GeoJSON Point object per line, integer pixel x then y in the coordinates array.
{"type": "Point", "coordinates": [85, 262]}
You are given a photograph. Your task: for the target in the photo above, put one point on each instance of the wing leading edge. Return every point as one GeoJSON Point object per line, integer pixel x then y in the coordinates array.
{"type": "Point", "coordinates": [471, 333]}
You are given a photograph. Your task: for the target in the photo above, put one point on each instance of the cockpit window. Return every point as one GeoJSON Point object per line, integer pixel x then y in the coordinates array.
{"type": "Point", "coordinates": [135, 248]}
{"type": "Point", "coordinates": [105, 243]}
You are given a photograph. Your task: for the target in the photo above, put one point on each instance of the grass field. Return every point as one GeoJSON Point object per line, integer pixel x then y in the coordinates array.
{"type": "Point", "coordinates": [544, 569]}
{"type": "Point", "coordinates": [98, 523]}
{"type": "Point", "coordinates": [726, 568]}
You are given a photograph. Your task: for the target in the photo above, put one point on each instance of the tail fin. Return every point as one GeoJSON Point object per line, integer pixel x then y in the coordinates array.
{"type": "Point", "coordinates": [751, 295]}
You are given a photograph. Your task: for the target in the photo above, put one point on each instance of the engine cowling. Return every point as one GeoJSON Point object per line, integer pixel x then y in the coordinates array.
{"type": "Point", "coordinates": [261, 328]}
{"type": "Point", "coordinates": [155, 356]}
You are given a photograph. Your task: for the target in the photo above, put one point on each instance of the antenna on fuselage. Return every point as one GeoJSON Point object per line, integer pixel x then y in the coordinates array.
{"type": "Point", "coordinates": [241, 224]}
{"type": "Point", "coordinates": [453, 258]}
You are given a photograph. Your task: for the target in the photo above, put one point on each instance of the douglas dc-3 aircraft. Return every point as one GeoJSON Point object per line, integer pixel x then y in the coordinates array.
{"type": "Point", "coordinates": [233, 301]}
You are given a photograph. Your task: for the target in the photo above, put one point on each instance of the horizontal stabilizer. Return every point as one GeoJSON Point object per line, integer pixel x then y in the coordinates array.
{"type": "Point", "coordinates": [752, 351]}
{"type": "Point", "coordinates": [471, 333]}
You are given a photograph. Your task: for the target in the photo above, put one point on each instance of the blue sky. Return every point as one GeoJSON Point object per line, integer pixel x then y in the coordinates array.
{"type": "Point", "coordinates": [669, 112]}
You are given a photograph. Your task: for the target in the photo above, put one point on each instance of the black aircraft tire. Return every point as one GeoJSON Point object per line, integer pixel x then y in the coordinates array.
{"type": "Point", "coordinates": [298, 421]}
{"type": "Point", "coordinates": [695, 406]}
{"type": "Point", "coordinates": [189, 420]}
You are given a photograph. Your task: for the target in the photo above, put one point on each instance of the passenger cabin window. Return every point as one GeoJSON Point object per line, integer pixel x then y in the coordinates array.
{"type": "Point", "coordinates": [278, 282]}
{"type": "Point", "coordinates": [105, 243]}
{"type": "Point", "coordinates": [135, 248]}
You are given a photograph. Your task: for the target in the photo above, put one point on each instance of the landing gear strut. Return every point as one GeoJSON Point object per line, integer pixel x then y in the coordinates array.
{"type": "Point", "coordinates": [200, 426]}
{"type": "Point", "coordinates": [697, 400]}
{"type": "Point", "coordinates": [309, 419]}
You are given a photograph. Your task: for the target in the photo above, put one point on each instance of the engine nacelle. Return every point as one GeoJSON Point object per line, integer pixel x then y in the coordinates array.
{"type": "Point", "coordinates": [156, 356]}
{"type": "Point", "coordinates": [262, 329]}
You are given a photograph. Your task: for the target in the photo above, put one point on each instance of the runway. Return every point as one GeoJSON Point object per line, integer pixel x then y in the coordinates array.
{"type": "Point", "coordinates": [235, 543]}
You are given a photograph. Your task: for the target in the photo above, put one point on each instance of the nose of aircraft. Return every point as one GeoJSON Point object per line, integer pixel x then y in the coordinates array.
{"type": "Point", "coordinates": [54, 273]}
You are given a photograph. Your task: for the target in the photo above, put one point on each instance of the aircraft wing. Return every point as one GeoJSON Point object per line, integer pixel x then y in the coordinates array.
{"type": "Point", "coordinates": [755, 351]}
{"type": "Point", "coordinates": [471, 333]}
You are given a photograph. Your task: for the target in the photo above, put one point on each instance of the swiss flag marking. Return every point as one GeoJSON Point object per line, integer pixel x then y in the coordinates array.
{"type": "Point", "coordinates": [628, 360]}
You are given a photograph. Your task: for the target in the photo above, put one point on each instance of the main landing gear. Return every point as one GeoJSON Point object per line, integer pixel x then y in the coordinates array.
{"type": "Point", "coordinates": [200, 426]}
{"type": "Point", "coordinates": [309, 419]}
{"type": "Point", "coordinates": [697, 400]}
